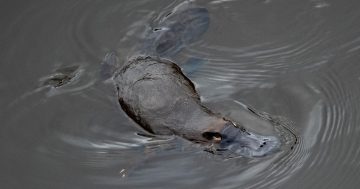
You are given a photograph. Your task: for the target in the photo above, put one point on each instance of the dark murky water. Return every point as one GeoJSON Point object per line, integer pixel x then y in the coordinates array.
{"type": "Point", "coordinates": [298, 59]}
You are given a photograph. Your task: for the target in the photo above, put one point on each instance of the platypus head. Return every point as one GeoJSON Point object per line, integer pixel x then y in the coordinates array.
{"type": "Point", "coordinates": [232, 140]}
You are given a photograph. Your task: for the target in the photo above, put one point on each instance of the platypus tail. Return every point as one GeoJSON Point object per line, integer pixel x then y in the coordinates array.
{"type": "Point", "coordinates": [184, 25]}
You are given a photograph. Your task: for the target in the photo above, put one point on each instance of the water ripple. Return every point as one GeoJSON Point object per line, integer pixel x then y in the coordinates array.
{"type": "Point", "coordinates": [298, 59]}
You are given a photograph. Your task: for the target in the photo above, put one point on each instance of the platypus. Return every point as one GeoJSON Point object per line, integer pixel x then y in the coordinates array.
{"type": "Point", "coordinates": [154, 92]}
{"type": "Point", "coordinates": [161, 99]}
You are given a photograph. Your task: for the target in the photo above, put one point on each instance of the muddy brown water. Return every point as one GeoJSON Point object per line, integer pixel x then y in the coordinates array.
{"type": "Point", "coordinates": [297, 59]}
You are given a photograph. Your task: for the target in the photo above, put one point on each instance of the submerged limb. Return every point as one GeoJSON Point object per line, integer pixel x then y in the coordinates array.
{"type": "Point", "coordinates": [62, 76]}
{"type": "Point", "coordinates": [192, 65]}
{"type": "Point", "coordinates": [109, 65]}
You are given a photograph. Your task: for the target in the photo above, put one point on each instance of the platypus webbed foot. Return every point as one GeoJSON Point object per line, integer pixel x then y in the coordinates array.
{"type": "Point", "coordinates": [233, 141]}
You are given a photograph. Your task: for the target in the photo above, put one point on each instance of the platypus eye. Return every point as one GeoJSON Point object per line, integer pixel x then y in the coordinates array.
{"type": "Point", "coordinates": [212, 136]}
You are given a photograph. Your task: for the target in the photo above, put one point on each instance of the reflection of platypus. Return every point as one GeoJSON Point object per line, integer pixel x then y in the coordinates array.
{"type": "Point", "coordinates": [155, 93]}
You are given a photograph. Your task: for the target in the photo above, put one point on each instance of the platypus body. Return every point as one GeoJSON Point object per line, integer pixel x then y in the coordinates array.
{"type": "Point", "coordinates": [154, 92]}
{"type": "Point", "coordinates": [159, 97]}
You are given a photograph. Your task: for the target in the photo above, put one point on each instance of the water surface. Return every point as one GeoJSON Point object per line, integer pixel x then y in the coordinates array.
{"type": "Point", "coordinates": [296, 59]}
